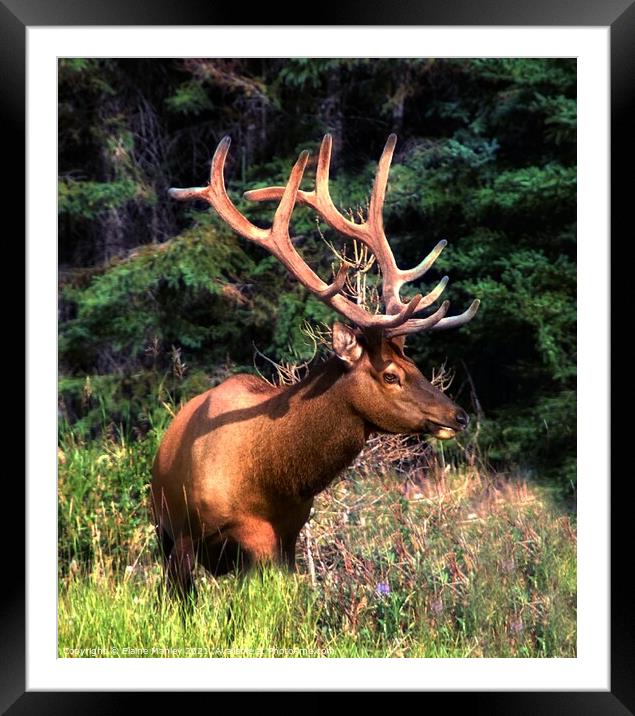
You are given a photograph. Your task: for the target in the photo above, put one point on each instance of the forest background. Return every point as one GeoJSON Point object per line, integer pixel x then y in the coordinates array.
{"type": "Point", "coordinates": [465, 548]}
{"type": "Point", "coordinates": [485, 159]}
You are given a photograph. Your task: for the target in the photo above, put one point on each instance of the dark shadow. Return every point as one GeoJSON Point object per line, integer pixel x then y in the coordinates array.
{"type": "Point", "coordinates": [318, 382]}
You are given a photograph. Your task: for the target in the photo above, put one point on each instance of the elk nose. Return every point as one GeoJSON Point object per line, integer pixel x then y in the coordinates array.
{"type": "Point", "coordinates": [462, 418]}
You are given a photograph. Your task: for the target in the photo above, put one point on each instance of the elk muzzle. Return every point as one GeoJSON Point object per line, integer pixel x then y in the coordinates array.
{"type": "Point", "coordinates": [448, 428]}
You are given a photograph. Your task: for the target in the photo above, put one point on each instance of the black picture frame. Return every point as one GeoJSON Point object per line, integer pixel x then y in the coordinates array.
{"type": "Point", "coordinates": [619, 15]}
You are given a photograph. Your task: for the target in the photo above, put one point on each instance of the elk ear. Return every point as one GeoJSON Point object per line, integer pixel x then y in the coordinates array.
{"type": "Point", "coordinates": [345, 344]}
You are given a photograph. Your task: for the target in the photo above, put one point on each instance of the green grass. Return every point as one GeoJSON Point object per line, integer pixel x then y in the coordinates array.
{"type": "Point", "coordinates": [448, 562]}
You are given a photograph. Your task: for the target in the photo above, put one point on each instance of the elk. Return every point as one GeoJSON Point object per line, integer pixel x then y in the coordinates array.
{"type": "Point", "coordinates": [237, 471]}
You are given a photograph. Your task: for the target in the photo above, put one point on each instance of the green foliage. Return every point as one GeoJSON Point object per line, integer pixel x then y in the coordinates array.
{"type": "Point", "coordinates": [74, 65]}
{"type": "Point", "coordinates": [83, 75]}
{"type": "Point", "coordinates": [306, 74]}
{"type": "Point", "coordinates": [486, 159]}
{"type": "Point", "coordinates": [170, 294]}
{"type": "Point", "coordinates": [521, 193]}
{"type": "Point", "coordinates": [561, 117]}
{"type": "Point", "coordinates": [545, 428]}
{"type": "Point", "coordinates": [131, 404]}
{"type": "Point", "coordinates": [87, 199]}
{"type": "Point", "coordinates": [189, 98]}
{"type": "Point", "coordinates": [558, 75]}
{"type": "Point", "coordinates": [461, 571]}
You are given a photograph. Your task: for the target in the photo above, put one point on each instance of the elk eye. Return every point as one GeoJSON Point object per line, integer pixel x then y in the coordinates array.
{"type": "Point", "coordinates": [391, 378]}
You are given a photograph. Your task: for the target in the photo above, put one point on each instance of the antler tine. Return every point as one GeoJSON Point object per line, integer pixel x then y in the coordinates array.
{"type": "Point", "coordinates": [392, 280]}
{"type": "Point", "coordinates": [418, 271]}
{"type": "Point", "coordinates": [460, 320]}
{"type": "Point", "coordinates": [280, 227]}
{"type": "Point", "coordinates": [431, 297]}
{"type": "Point", "coordinates": [378, 195]}
{"type": "Point", "coordinates": [337, 285]}
{"type": "Point", "coordinates": [319, 199]}
{"type": "Point", "coordinates": [218, 198]}
{"type": "Point", "coordinates": [415, 325]}
{"type": "Point", "coordinates": [436, 322]}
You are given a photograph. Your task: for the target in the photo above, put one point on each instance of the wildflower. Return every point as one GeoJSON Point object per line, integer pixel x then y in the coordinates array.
{"type": "Point", "coordinates": [383, 589]}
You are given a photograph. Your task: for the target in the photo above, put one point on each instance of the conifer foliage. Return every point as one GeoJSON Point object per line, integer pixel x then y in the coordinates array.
{"type": "Point", "coordinates": [157, 296]}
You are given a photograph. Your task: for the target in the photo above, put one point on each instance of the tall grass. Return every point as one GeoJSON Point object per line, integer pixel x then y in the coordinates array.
{"type": "Point", "coordinates": [441, 561]}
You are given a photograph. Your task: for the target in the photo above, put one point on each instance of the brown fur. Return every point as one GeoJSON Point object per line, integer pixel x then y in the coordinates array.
{"type": "Point", "coordinates": [236, 473]}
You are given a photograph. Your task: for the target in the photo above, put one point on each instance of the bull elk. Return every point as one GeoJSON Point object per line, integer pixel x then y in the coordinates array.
{"type": "Point", "coordinates": [235, 476]}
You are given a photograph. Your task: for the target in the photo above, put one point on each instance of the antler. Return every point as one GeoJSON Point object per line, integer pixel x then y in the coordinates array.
{"type": "Point", "coordinates": [276, 240]}
{"type": "Point", "coordinates": [371, 233]}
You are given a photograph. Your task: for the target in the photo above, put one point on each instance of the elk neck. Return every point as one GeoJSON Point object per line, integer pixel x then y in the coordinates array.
{"type": "Point", "coordinates": [320, 430]}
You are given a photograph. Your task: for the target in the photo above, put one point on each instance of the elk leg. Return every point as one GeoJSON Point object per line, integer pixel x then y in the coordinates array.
{"type": "Point", "coordinates": [220, 557]}
{"type": "Point", "coordinates": [166, 544]}
{"type": "Point", "coordinates": [180, 566]}
{"type": "Point", "coordinates": [259, 542]}
{"type": "Point", "coordinates": [291, 536]}
{"type": "Point", "coordinates": [288, 552]}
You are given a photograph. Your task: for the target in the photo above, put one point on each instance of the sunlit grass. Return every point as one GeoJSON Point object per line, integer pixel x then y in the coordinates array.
{"type": "Point", "coordinates": [447, 563]}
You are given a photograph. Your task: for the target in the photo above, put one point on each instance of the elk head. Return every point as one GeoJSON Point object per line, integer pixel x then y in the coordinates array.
{"type": "Point", "coordinates": [380, 382]}
{"type": "Point", "coordinates": [388, 389]}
